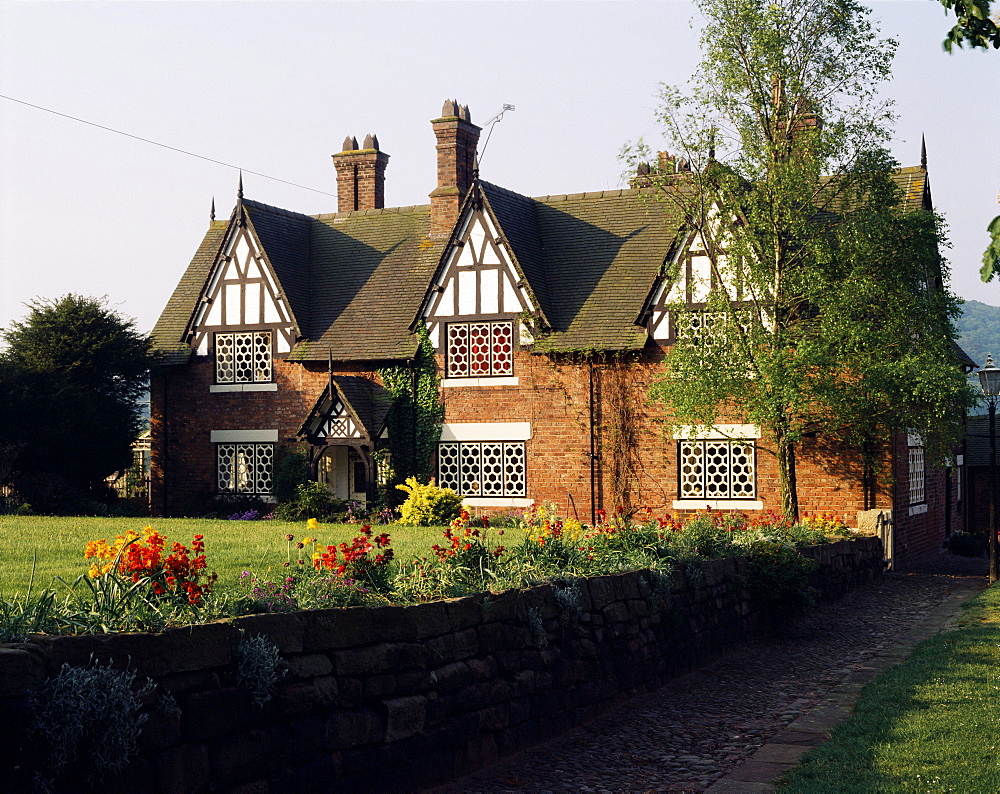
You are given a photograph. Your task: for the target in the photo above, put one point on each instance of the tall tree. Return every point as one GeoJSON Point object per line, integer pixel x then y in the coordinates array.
{"type": "Point", "coordinates": [69, 383]}
{"type": "Point", "coordinates": [823, 305]}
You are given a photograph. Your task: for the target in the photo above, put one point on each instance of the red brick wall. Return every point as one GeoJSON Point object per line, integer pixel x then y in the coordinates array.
{"type": "Point", "coordinates": [182, 455]}
{"type": "Point", "coordinates": [555, 397]}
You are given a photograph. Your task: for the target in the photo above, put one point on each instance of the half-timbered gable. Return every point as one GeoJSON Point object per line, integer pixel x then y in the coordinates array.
{"type": "Point", "coordinates": [342, 431]}
{"type": "Point", "coordinates": [243, 319]}
{"type": "Point", "coordinates": [477, 299]}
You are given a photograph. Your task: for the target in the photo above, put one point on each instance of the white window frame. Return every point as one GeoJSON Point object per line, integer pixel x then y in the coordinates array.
{"type": "Point", "coordinates": [916, 474]}
{"type": "Point", "coordinates": [730, 434]}
{"type": "Point", "coordinates": [510, 437]}
{"type": "Point", "coordinates": [258, 377]}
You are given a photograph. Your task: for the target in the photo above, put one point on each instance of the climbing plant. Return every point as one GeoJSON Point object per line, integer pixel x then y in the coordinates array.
{"type": "Point", "coordinates": [416, 414]}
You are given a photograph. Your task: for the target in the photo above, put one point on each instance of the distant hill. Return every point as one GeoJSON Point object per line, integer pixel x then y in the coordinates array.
{"type": "Point", "coordinates": [979, 329]}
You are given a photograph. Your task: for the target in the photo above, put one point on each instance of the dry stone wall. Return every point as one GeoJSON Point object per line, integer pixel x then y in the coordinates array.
{"type": "Point", "coordinates": [399, 697]}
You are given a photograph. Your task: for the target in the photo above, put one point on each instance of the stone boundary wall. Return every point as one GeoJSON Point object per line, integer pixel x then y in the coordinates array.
{"type": "Point", "coordinates": [399, 697]}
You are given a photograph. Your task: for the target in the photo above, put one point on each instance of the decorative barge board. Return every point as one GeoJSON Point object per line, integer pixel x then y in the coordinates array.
{"type": "Point", "coordinates": [342, 430]}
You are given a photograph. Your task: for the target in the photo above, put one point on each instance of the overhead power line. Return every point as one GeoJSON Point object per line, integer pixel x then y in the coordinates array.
{"type": "Point", "coordinates": [165, 146]}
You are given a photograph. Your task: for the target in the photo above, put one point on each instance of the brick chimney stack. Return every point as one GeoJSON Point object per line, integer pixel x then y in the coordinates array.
{"type": "Point", "coordinates": [360, 175]}
{"type": "Point", "coordinates": [457, 138]}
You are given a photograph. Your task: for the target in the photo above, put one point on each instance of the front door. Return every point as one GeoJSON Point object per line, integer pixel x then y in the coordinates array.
{"type": "Point", "coordinates": [345, 474]}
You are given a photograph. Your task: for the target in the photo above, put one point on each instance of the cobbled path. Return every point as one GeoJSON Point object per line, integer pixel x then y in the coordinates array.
{"type": "Point", "coordinates": [702, 726]}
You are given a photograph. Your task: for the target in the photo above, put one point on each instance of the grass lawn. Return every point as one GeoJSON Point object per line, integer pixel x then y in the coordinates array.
{"type": "Point", "coordinates": [931, 724]}
{"type": "Point", "coordinates": [56, 545]}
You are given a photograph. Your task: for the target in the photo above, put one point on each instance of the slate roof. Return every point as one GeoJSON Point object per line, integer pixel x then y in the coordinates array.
{"type": "Point", "coordinates": [369, 272]}
{"type": "Point", "coordinates": [591, 260]}
{"type": "Point", "coordinates": [915, 185]}
{"type": "Point", "coordinates": [355, 281]}
{"type": "Point", "coordinates": [168, 333]}
{"type": "Point", "coordinates": [977, 441]}
{"type": "Point", "coordinates": [368, 400]}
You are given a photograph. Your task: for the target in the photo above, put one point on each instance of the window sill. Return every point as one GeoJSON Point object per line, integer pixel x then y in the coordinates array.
{"type": "Point", "coordinates": [218, 388]}
{"type": "Point", "coordinates": [497, 501]}
{"type": "Point", "coordinates": [266, 498]}
{"type": "Point", "coordinates": [717, 504]}
{"type": "Point", "coordinates": [916, 510]}
{"type": "Point", "coordinates": [504, 380]}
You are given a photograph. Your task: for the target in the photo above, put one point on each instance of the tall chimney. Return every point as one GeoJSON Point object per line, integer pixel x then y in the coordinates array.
{"type": "Point", "coordinates": [457, 138]}
{"type": "Point", "coordinates": [360, 175]}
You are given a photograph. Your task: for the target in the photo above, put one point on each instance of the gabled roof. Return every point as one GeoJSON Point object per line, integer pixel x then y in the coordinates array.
{"type": "Point", "coordinates": [367, 400]}
{"type": "Point", "coordinates": [284, 237]}
{"type": "Point", "coordinates": [356, 281]}
{"type": "Point", "coordinates": [353, 280]}
{"type": "Point", "coordinates": [916, 187]}
{"type": "Point", "coordinates": [590, 259]}
{"type": "Point", "coordinates": [369, 271]}
{"type": "Point", "coordinates": [168, 333]}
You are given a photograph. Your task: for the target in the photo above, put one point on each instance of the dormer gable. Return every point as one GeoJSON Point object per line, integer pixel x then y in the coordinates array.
{"type": "Point", "coordinates": [475, 307]}
{"type": "Point", "coordinates": [242, 295]}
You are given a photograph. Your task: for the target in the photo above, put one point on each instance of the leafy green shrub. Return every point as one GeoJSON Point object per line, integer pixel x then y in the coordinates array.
{"type": "Point", "coordinates": [291, 469]}
{"type": "Point", "coordinates": [779, 576]}
{"type": "Point", "coordinates": [312, 500]}
{"type": "Point", "coordinates": [428, 505]}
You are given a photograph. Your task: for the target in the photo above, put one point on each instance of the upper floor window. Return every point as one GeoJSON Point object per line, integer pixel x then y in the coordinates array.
{"type": "Point", "coordinates": [243, 357]}
{"type": "Point", "coordinates": [717, 469]}
{"type": "Point", "coordinates": [480, 349]}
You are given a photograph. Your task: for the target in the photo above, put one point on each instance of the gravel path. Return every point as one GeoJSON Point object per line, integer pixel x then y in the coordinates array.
{"type": "Point", "coordinates": [702, 726]}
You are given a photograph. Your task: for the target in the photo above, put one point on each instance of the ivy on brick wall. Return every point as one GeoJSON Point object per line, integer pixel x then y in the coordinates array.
{"type": "Point", "coordinates": [416, 414]}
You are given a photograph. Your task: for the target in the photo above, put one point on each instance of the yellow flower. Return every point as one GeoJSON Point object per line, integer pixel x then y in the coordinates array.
{"type": "Point", "coordinates": [312, 523]}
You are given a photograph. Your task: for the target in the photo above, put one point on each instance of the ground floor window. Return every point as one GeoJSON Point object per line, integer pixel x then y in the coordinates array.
{"type": "Point", "coordinates": [245, 468]}
{"type": "Point", "coordinates": [918, 480]}
{"type": "Point", "coordinates": [716, 469]}
{"type": "Point", "coordinates": [483, 468]}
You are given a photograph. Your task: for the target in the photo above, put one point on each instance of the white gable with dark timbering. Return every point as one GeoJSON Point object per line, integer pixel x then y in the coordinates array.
{"type": "Point", "coordinates": [478, 282]}
{"type": "Point", "coordinates": [241, 295]}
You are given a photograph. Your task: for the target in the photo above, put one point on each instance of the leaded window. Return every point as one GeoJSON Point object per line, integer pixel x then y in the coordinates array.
{"type": "Point", "coordinates": [918, 478]}
{"type": "Point", "coordinates": [243, 357]}
{"type": "Point", "coordinates": [482, 468]}
{"type": "Point", "coordinates": [717, 469]}
{"type": "Point", "coordinates": [480, 349]}
{"type": "Point", "coordinates": [245, 468]}
{"type": "Point", "coordinates": [711, 331]}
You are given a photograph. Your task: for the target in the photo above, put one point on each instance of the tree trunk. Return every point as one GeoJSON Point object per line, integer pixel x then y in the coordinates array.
{"type": "Point", "coordinates": [787, 484]}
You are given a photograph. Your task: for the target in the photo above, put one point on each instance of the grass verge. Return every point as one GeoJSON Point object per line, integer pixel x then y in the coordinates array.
{"type": "Point", "coordinates": [931, 724]}
{"type": "Point", "coordinates": [54, 545]}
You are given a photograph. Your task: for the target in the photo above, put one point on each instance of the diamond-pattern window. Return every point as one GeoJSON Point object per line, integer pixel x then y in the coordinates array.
{"type": "Point", "coordinates": [244, 468]}
{"type": "Point", "coordinates": [482, 468]}
{"type": "Point", "coordinates": [480, 349]}
{"type": "Point", "coordinates": [243, 357]}
{"type": "Point", "coordinates": [717, 469]}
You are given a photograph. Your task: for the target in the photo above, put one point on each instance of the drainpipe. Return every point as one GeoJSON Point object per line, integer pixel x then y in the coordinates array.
{"type": "Point", "coordinates": [593, 451]}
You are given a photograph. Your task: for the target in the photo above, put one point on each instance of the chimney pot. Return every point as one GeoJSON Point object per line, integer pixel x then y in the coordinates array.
{"type": "Point", "coordinates": [457, 138]}
{"type": "Point", "coordinates": [360, 175]}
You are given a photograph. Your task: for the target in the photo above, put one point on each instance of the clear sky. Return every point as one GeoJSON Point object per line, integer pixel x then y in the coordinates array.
{"type": "Point", "coordinates": [275, 87]}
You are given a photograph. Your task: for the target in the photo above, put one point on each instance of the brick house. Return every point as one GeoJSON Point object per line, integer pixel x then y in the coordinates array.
{"type": "Point", "coordinates": [549, 319]}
